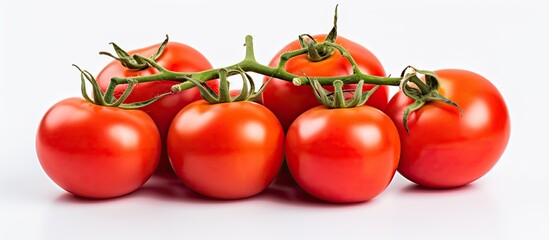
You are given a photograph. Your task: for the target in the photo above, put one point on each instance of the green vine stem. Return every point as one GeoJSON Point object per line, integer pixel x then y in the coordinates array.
{"type": "Point", "coordinates": [410, 83]}
{"type": "Point", "coordinates": [421, 91]}
{"type": "Point", "coordinates": [314, 50]}
{"type": "Point", "coordinates": [249, 64]}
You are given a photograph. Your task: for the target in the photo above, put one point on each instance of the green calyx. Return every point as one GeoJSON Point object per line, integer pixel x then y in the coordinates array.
{"type": "Point", "coordinates": [421, 92]}
{"type": "Point", "coordinates": [336, 99]}
{"type": "Point", "coordinates": [248, 92]}
{"type": "Point", "coordinates": [132, 62]}
{"type": "Point", "coordinates": [319, 51]}
{"type": "Point", "coordinates": [107, 98]}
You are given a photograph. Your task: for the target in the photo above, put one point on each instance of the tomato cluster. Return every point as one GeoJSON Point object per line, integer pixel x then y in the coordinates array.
{"type": "Point", "coordinates": [234, 149]}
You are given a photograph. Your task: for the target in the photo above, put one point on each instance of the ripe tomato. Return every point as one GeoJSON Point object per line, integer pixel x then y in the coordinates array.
{"type": "Point", "coordinates": [343, 155]}
{"type": "Point", "coordinates": [287, 101]}
{"type": "Point", "coordinates": [444, 150]}
{"type": "Point", "coordinates": [175, 57]}
{"type": "Point", "coordinates": [226, 150]}
{"type": "Point", "coordinates": [95, 151]}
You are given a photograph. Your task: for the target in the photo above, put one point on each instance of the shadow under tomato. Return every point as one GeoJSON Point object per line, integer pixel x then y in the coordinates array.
{"type": "Point", "coordinates": [418, 189]}
{"type": "Point", "coordinates": [66, 197]}
{"type": "Point", "coordinates": [285, 190]}
{"type": "Point", "coordinates": [73, 199]}
{"type": "Point", "coordinates": [164, 187]}
{"type": "Point", "coordinates": [168, 187]}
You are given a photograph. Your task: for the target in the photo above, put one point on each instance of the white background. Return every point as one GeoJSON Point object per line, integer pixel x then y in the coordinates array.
{"type": "Point", "coordinates": [505, 41]}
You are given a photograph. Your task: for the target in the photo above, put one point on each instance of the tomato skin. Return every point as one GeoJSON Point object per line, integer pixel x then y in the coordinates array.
{"type": "Point", "coordinates": [175, 57]}
{"type": "Point", "coordinates": [226, 150]}
{"type": "Point", "coordinates": [95, 151]}
{"type": "Point", "coordinates": [343, 155]}
{"type": "Point", "coordinates": [287, 101]}
{"type": "Point", "coordinates": [444, 150]}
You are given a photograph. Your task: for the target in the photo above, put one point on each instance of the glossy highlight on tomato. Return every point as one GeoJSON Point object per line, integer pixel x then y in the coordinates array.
{"type": "Point", "coordinates": [226, 150]}
{"type": "Point", "coordinates": [444, 150]}
{"type": "Point", "coordinates": [287, 101]}
{"type": "Point", "coordinates": [175, 57]}
{"type": "Point", "coordinates": [95, 151]}
{"type": "Point", "coordinates": [343, 155]}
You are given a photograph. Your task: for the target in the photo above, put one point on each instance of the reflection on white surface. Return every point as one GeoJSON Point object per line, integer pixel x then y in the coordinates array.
{"type": "Point", "coordinates": [163, 207]}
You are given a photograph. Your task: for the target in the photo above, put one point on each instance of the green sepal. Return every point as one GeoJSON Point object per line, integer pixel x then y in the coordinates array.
{"type": "Point", "coordinates": [136, 105]}
{"type": "Point", "coordinates": [109, 94]}
{"type": "Point", "coordinates": [332, 35]}
{"type": "Point", "coordinates": [422, 93]}
{"type": "Point", "coordinates": [336, 99]}
{"type": "Point", "coordinates": [356, 100]}
{"type": "Point", "coordinates": [98, 96]}
{"type": "Point", "coordinates": [247, 93]}
{"type": "Point", "coordinates": [411, 108]}
{"type": "Point", "coordinates": [160, 50]}
{"type": "Point", "coordinates": [207, 94]}
{"type": "Point", "coordinates": [317, 52]}
{"type": "Point", "coordinates": [303, 41]}
{"type": "Point", "coordinates": [131, 62]}
{"type": "Point", "coordinates": [256, 94]}
{"type": "Point", "coordinates": [83, 89]}
{"type": "Point", "coordinates": [321, 94]}
{"type": "Point", "coordinates": [244, 91]}
{"type": "Point", "coordinates": [125, 94]}
{"type": "Point", "coordinates": [107, 99]}
{"type": "Point", "coordinates": [367, 94]}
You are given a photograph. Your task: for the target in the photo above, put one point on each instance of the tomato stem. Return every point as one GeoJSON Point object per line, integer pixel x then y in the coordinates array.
{"type": "Point", "coordinates": [409, 81]}
{"type": "Point", "coordinates": [224, 90]}
{"type": "Point", "coordinates": [336, 99]}
{"type": "Point", "coordinates": [422, 91]}
{"type": "Point", "coordinates": [131, 62]}
{"type": "Point", "coordinates": [250, 64]}
{"type": "Point", "coordinates": [107, 98]}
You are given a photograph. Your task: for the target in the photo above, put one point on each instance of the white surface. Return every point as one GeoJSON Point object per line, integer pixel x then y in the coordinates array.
{"type": "Point", "coordinates": [505, 41]}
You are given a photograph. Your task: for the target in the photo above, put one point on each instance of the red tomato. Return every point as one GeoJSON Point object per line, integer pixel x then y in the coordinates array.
{"type": "Point", "coordinates": [226, 150]}
{"type": "Point", "coordinates": [175, 57]}
{"type": "Point", "coordinates": [343, 155]}
{"type": "Point", "coordinates": [287, 101]}
{"type": "Point", "coordinates": [95, 151]}
{"type": "Point", "coordinates": [444, 150]}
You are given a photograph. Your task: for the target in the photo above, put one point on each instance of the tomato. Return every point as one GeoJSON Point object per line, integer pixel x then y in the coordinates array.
{"type": "Point", "coordinates": [175, 57]}
{"type": "Point", "coordinates": [226, 150]}
{"type": "Point", "coordinates": [95, 151]}
{"type": "Point", "coordinates": [343, 155]}
{"type": "Point", "coordinates": [287, 101]}
{"type": "Point", "coordinates": [444, 150]}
